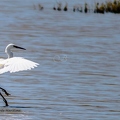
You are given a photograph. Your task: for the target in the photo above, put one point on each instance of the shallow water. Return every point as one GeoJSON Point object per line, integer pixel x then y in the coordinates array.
{"type": "Point", "coordinates": [78, 77]}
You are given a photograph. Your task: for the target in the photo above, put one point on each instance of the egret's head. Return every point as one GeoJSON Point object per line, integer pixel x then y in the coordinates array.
{"type": "Point", "coordinates": [12, 46]}
{"type": "Point", "coordinates": [9, 49]}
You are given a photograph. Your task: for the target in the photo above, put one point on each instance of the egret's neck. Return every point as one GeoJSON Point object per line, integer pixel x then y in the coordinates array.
{"type": "Point", "coordinates": [9, 53]}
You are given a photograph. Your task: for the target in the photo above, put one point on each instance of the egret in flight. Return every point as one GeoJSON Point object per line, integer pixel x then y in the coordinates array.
{"type": "Point", "coordinates": [14, 64]}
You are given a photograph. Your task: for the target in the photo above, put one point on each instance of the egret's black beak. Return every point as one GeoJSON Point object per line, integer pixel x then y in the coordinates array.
{"type": "Point", "coordinates": [19, 47]}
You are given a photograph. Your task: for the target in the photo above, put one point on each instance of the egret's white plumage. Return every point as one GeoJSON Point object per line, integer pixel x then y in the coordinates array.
{"type": "Point", "coordinates": [15, 64]}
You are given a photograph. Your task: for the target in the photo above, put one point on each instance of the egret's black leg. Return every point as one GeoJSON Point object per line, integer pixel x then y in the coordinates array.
{"type": "Point", "coordinates": [4, 91]}
{"type": "Point", "coordinates": [6, 103]}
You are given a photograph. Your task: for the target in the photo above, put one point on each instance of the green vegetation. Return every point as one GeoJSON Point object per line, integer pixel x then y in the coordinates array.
{"type": "Point", "coordinates": [108, 6]}
{"type": "Point", "coordinates": [99, 7]}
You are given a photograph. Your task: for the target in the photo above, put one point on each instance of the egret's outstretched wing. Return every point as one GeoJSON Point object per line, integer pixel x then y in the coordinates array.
{"type": "Point", "coordinates": [16, 64]}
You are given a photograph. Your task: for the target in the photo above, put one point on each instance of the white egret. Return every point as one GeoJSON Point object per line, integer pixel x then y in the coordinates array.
{"type": "Point", "coordinates": [14, 64]}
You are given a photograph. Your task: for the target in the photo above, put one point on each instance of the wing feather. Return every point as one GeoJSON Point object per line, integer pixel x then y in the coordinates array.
{"type": "Point", "coordinates": [16, 64]}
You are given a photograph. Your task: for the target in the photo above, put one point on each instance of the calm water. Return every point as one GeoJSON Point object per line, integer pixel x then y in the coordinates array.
{"type": "Point", "coordinates": [79, 73]}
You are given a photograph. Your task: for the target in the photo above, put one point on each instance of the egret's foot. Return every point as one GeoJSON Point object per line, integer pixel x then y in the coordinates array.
{"type": "Point", "coordinates": [4, 91]}
{"type": "Point", "coordinates": [6, 103]}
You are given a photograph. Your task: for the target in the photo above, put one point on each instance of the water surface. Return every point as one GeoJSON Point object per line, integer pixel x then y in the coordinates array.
{"type": "Point", "coordinates": [78, 77]}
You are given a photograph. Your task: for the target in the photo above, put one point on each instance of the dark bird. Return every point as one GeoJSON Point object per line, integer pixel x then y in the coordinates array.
{"type": "Point", "coordinates": [86, 9]}
{"type": "Point", "coordinates": [54, 8]}
{"type": "Point", "coordinates": [59, 6]}
{"type": "Point", "coordinates": [66, 7]}
{"type": "Point", "coordinates": [40, 7]}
